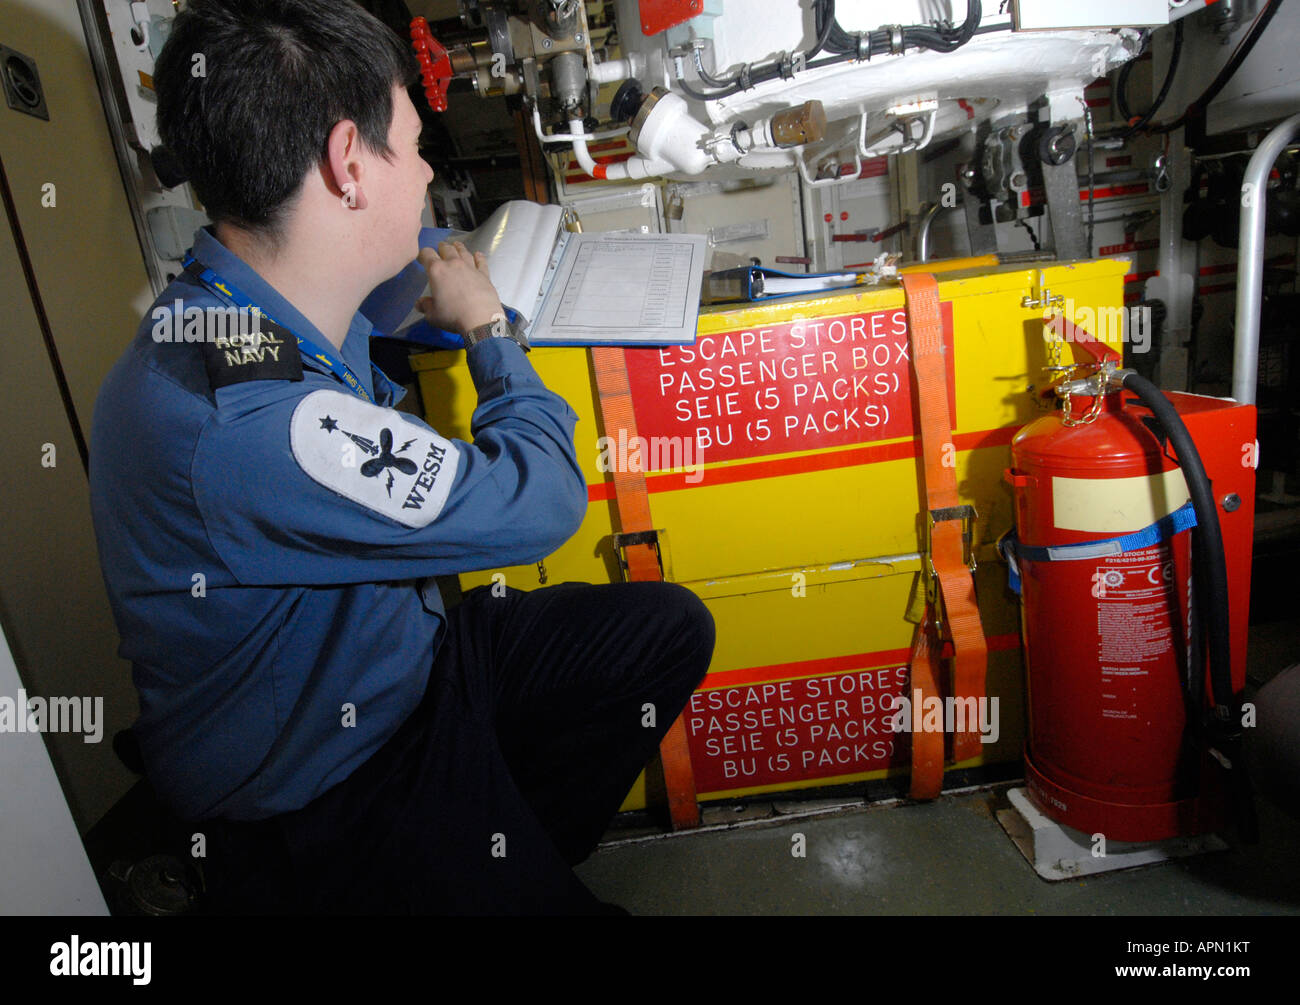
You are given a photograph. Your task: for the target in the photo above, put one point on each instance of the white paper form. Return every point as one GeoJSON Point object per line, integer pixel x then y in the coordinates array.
{"type": "Point", "coordinates": [624, 289]}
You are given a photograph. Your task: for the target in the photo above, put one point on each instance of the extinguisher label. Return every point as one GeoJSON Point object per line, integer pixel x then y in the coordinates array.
{"type": "Point", "coordinates": [1135, 629]}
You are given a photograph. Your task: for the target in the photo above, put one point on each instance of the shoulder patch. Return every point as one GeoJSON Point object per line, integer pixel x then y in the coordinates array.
{"type": "Point", "coordinates": [374, 456]}
{"type": "Point", "coordinates": [237, 355]}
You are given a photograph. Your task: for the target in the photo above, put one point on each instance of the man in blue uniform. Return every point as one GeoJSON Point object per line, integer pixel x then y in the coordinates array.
{"type": "Point", "coordinates": [268, 524]}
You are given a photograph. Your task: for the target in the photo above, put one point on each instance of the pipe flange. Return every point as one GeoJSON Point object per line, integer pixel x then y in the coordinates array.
{"type": "Point", "coordinates": [643, 113]}
{"type": "Point", "coordinates": [626, 100]}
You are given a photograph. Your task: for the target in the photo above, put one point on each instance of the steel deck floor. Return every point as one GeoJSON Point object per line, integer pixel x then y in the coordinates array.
{"type": "Point", "coordinates": [946, 857]}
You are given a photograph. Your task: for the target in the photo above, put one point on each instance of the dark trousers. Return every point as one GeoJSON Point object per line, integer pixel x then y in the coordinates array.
{"type": "Point", "coordinates": [541, 709]}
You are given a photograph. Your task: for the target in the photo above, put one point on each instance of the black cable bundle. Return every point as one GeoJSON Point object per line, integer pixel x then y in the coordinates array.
{"type": "Point", "coordinates": [845, 47]}
{"type": "Point", "coordinates": [1121, 87]}
{"type": "Point", "coordinates": [875, 43]}
{"type": "Point", "coordinates": [1197, 108]}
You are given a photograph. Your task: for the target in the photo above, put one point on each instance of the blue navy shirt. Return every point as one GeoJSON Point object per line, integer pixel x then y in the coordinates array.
{"type": "Point", "coordinates": [267, 546]}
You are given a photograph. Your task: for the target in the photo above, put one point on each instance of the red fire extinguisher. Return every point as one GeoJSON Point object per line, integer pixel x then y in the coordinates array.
{"type": "Point", "coordinates": [1121, 614]}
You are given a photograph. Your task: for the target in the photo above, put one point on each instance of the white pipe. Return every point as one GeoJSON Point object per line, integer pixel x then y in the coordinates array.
{"type": "Point", "coordinates": [607, 134]}
{"type": "Point", "coordinates": [635, 167]}
{"type": "Point", "coordinates": [862, 149]}
{"type": "Point", "coordinates": [1250, 259]}
{"type": "Point", "coordinates": [840, 179]}
{"type": "Point", "coordinates": [671, 140]}
{"type": "Point", "coordinates": [615, 70]}
{"type": "Point", "coordinates": [580, 152]}
{"type": "Point", "coordinates": [639, 167]}
{"type": "Point", "coordinates": [908, 144]}
{"type": "Point", "coordinates": [927, 133]}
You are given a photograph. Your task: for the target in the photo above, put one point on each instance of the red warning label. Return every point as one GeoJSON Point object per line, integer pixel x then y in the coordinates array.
{"type": "Point", "coordinates": [786, 731]}
{"type": "Point", "coordinates": [800, 385]}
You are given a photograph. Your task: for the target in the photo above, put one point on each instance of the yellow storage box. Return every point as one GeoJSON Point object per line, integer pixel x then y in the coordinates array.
{"type": "Point", "coordinates": [784, 478]}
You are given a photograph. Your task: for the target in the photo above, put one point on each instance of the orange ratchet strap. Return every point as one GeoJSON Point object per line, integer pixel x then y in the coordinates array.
{"type": "Point", "coordinates": [642, 564]}
{"type": "Point", "coordinates": [949, 527]}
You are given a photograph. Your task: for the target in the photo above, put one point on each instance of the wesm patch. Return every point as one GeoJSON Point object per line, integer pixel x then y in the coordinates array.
{"type": "Point", "coordinates": [375, 456]}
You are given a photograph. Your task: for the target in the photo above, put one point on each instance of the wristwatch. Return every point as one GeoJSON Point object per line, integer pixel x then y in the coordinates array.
{"type": "Point", "coordinates": [500, 328]}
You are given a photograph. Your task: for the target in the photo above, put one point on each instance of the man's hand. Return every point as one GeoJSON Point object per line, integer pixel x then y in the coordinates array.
{"type": "Point", "coordinates": [463, 296]}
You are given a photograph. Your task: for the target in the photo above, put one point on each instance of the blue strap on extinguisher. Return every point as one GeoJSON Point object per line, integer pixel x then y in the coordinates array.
{"type": "Point", "coordinates": [1009, 545]}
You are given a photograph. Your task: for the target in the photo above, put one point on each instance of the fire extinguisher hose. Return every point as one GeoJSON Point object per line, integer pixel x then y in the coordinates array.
{"type": "Point", "coordinates": [1211, 570]}
{"type": "Point", "coordinates": [1222, 732]}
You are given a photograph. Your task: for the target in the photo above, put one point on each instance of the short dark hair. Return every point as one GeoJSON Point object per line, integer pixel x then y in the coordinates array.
{"type": "Point", "coordinates": [252, 117]}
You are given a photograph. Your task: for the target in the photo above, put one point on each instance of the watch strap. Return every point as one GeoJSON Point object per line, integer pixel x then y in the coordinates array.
{"type": "Point", "coordinates": [499, 328]}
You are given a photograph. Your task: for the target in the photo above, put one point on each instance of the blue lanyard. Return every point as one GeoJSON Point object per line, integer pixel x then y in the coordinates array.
{"type": "Point", "coordinates": [229, 291]}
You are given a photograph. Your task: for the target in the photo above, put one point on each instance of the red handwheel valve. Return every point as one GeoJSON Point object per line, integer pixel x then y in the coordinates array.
{"type": "Point", "coordinates": [435, 64]}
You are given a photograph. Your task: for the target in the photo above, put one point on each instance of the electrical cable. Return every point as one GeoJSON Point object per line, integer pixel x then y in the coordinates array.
{"type": "Point", "coordinates": [704, 74]}
{"type": "Point", "coordinates": [825, 9]}
{"type": "Point", "coordinates": [1243, 49]}
{"type": "Point", "coordinates": [701, 95]}
{"type": "Point", "coordinates": [887, 39]}
{"type": "Point", "coordinates": [1121, 84]}
{"type": "Point", "coordinates": [844, 46]}
{"type": "Point", "coordinates": [824, 20]}
{"type": "Point", "coordinates": [1030, 231]}
{"type": "Point", "coordinates": [1137, 125]}
{"type": "Point", "coordinates": [1090, 136]}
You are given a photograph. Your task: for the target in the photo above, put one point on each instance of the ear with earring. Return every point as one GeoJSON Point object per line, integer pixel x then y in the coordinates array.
{"type": "Point", "coordinates": [342, 164]}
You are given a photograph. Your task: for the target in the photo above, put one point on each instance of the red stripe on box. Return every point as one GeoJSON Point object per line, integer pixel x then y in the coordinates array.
{"type": "Point", "coordinates": [832, 665]}
{"type": "Point", "coordinates": [872, 454]}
